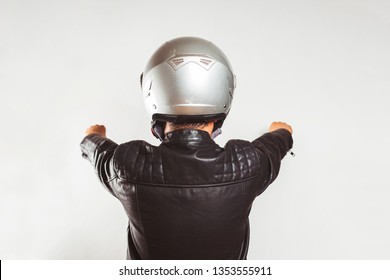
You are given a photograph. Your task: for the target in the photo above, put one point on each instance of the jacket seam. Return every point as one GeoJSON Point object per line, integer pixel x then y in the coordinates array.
{"type": "Point", "coordinates": [114, 166]}
{"type": "Point", "coordinates": [223, 184]}
{"type": "Point", "coordinates": [112, 178]}
{"type": "Point", "coordinates": [140, 219]}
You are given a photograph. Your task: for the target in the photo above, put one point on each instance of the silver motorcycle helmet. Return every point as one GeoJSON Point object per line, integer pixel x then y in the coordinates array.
{"type": "Point", "coordinates": [187, 80]}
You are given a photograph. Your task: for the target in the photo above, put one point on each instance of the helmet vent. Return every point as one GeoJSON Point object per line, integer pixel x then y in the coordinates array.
{"type": "Point", "coordinates": [205, 61]}
{"type": "Point", "coordinates": [177, 61]}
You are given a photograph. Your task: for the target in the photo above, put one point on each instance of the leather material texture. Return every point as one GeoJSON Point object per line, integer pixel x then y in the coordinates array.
{"type": "Point", "coordinates": [187, 198]}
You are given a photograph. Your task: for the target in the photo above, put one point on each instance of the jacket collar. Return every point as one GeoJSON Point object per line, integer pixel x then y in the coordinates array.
{"type": "Point", "coordinates": [188, 137]}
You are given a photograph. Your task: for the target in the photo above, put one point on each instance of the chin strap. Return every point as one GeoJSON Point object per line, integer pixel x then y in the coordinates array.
{"type": "Point", "coordinates": [216, 132]}
{"type": "Point", "coordinates": [158, 130]}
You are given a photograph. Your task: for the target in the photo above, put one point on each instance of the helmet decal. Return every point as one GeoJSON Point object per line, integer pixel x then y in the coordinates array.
{"type": "Point", "coordinates": [179, 61]}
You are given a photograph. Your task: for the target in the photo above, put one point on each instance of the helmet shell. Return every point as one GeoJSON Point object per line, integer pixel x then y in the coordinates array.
{"type": "Point", "coordinates": [188, 78]}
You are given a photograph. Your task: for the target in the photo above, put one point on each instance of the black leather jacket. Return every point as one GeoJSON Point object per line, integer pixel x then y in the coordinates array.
{"type": "Point", "coordinates": [187, 198]}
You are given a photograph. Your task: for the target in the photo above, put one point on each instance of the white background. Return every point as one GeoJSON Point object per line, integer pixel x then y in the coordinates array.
{"type": "Point", "coordinates": [323, 66]}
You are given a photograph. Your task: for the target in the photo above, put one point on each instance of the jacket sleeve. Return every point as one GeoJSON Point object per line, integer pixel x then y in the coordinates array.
{"type": "Point", "coordinates": [271, 148]}
{"type": "Point", "coordinates": [99, 151]}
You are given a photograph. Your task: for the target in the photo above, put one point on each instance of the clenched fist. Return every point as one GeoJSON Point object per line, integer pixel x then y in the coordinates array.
{"type": "Point", "coordinates": [277, 125]}
{"type": "Point", "coordinates": [96, 129]}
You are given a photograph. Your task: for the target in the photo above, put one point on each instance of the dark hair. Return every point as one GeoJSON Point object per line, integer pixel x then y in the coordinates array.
{"type": "Point", "coordinates": [175, 126]}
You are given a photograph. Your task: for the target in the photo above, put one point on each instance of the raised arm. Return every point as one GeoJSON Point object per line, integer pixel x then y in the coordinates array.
{"type": "Point", "coordinates": [271, 148]}
{"type": "Point", "coordinates": [99, 151]}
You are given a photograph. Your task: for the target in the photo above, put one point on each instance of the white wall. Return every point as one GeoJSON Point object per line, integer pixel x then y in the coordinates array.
{"type": "Point", "coordinates": [323, 66]}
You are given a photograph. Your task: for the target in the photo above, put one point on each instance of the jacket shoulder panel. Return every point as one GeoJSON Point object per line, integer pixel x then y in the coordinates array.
{"type": "Point", "coordinates": [239, 161]}
{"type": "Point", "coordinates": [139, 161]}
